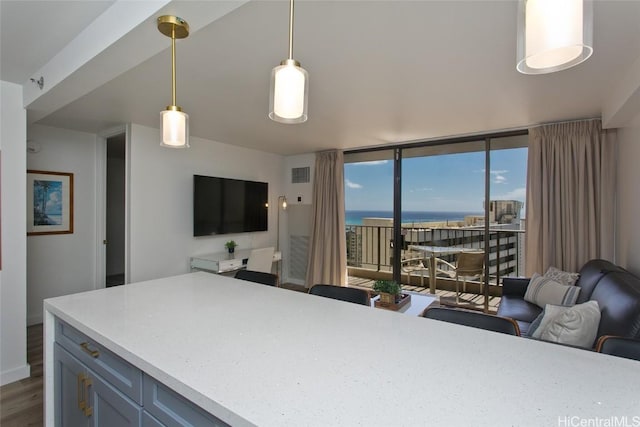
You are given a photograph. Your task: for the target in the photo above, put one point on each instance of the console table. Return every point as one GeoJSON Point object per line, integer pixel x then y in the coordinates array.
{"type": "Point", "coordinates": [225, 262]}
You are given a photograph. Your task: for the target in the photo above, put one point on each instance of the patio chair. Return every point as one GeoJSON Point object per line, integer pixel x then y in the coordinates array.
{"type": "Point", "coordinates": [257, 277]}
{"type": "Point", "coordinates": [414, 263]}
{"type": "Point", "coordinates": [475, 319]}
{"type": "Point", "coordinates": [343, 293]}
{"type": "Point", "coordinates": [628, 348]}
{"type": "Point", "coordinates": [469, 265]}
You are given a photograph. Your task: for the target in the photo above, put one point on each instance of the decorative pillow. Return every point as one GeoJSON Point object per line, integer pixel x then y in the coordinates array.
{"type": "Point", "coordinates": [542, 291]}
{"type": "Point", "coordinates": [577, 325]}
{"type": "Point", "coordinates": [535, 324]}
{"type": "Point", "coordinates": [562, 277]}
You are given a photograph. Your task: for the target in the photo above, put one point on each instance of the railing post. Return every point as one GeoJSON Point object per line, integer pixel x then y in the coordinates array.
{"type": "Point", "coordinates": [498, 257]}
{"type": "Point", "coordinates": [379, 248]}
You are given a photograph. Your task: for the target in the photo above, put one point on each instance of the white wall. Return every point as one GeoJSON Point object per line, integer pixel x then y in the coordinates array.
{"type": "Point", "coordinates": [628, 200]}
{"type": "Point", "coordinates": [160, 210]}
{"type": "Point", "coordinates": [13, 282]}
{"type": "Point", "coordinates": [161, 202]}
{"type": "Point", "coordinates": [64, 263]}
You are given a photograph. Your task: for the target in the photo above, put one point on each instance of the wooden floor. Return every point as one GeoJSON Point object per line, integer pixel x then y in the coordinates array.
{"type": "Point", "coordinates": [21, 401]}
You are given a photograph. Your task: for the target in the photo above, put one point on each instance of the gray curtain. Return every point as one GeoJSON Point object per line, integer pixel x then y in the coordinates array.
{"type": "Point", "coordinates": [570, 195]}
{"type": "Point", "coordinates": [328, 247]}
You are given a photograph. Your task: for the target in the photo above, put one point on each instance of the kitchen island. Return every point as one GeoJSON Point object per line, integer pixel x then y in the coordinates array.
{"type": "Point", "coordinates": [249, 354]}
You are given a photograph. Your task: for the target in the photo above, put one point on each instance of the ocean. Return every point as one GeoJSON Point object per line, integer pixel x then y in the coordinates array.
{"type": "Point", "coordinates": [355, 217]}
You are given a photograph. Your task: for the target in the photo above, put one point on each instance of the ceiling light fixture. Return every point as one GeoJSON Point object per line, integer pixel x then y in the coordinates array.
{"type": "Point", "coordinates": [289, 87]}
{"type": "Point", "coordinates": [553, 35]}
{"type": "Point", "coordinates": [174, 123]}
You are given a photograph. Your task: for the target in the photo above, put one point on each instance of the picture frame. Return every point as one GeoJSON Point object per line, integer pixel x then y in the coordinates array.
{"type": "Point", "coordinates": [49, 202]}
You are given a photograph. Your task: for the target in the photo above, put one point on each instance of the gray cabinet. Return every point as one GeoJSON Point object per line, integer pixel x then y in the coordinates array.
{"type": "Point", "coordinates": [174, 410]}
{"type": "Point", "coordinates": [95, 387]}
{"type": "Point", "coordinates": [69, 376]}
{"type": "Point", "coordinates": [85, 399]}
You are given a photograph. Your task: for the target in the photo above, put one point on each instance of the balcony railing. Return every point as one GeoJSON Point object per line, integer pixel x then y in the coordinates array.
{"type": "Point", "coordinates": [371, 247]}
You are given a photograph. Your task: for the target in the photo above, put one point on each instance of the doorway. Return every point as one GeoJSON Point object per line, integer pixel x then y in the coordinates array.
{"type": "Point", "coordinates": [115, 208]}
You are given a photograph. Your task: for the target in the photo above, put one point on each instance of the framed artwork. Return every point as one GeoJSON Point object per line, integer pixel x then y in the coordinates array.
{"type": "Point", "coordinates": [49, 202]}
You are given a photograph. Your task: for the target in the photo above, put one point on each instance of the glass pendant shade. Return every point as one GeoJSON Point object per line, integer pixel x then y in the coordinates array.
{"type": "Point", "coordinates": [174, 128]}
{"type": "Point", "coordinates": [289, 93]}
{"type": "Point", "coordinates": [553, 35]}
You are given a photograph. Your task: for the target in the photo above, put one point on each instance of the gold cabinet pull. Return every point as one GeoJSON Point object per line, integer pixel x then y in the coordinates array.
{"type": "Point", "coordinates": [92, 353]}
{"type": "Point", "coordinates": [88, 410]}
{"type": "Point", "coordinates": [81, 402]}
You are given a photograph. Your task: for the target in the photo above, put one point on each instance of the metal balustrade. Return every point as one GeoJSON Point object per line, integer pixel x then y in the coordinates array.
{"type": "Point", "coordinates": [371, 247]}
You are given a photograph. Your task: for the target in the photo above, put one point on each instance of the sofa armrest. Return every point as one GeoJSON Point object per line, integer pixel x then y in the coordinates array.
{"type": "Point", "coordinates": [515, 286]}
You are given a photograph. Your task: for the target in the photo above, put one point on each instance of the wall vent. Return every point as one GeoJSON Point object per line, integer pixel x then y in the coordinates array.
{"type": "Point", "coordinates": [299, 248]}
{"type": "Point", "coordinates": [300, 175]}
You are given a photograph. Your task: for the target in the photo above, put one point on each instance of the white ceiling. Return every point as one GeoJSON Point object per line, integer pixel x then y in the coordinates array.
{"type": "Point", "coordinates": [380, 71]}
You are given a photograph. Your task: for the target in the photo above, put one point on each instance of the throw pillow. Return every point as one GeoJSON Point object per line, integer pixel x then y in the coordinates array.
{"type": "Point", "coordinates": [577, 325]}
{"type": "Point", "coordinates": [562, 277]}
{"type": "Point", "coordinates": [535, 324]}
{"type": "Point", "coordinates": [542, 291]}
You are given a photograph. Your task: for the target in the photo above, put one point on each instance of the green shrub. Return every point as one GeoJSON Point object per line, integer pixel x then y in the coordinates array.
{"type": "Point", "coordinates": [387, 286]}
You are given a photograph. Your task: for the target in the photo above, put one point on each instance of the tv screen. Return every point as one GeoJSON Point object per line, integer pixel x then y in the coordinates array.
{"type": "Point", "coordinates": [223, 205]}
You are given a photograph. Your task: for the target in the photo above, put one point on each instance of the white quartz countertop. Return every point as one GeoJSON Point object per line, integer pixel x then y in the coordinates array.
{"type": "Point", "coordinates": [258, 355]}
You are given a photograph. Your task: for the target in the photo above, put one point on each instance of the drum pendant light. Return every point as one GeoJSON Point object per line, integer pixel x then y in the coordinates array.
{"type": "Point", "coordinates": [289, 86]}
{"type": "Point", "coordinates": [553, 35]}
{"type": "Point", "coordinates": [174, 123]}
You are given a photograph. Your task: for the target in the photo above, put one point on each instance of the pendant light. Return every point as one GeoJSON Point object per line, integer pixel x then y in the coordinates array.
{"type": "Point", "coordinates": [174, 123]}
{"type": "Point", "coordinates": [553, 35]}
{"type": "Point", "coordinates": [289, 86]}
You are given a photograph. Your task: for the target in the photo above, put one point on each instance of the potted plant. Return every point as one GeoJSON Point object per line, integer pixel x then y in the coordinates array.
{"type": "Point", "coordinates": [231, 246]}
{"type": "Point", "coordinates": [389, 291]}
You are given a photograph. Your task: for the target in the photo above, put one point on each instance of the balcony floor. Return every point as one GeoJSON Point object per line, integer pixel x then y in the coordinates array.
{"type": "Point", "coordinates": [467, 300]}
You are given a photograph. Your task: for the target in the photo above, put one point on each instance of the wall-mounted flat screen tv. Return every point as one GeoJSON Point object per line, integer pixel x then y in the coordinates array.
{"type": "Point", "coordinates": [223, 205]}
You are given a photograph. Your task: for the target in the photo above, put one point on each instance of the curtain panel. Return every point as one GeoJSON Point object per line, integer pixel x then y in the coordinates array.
{"type": "Point", "coordinates": [570, 203]}
{"type": "Point", "coordinates": [327, 261]}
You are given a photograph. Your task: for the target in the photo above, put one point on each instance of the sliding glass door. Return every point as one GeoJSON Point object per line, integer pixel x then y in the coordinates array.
{"type": "Point", "coordinates": [369, 211]}
{"type": "Point", "coordinates": [437, 199]}
{"type": "Point", "coordinates": [443, 191]}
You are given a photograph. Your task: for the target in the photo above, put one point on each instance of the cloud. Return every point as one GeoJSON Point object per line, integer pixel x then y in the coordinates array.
{"type": "Point", "coordinates": [352, 184]}
{"type": "Point", "coordinates": [416, 190]}
{"type": "Point", "coordinates": [499, 179]}
{"type": "Point", "coordinates": [497, 175]}
{"type": "Point", "coordinates": [371, 163]}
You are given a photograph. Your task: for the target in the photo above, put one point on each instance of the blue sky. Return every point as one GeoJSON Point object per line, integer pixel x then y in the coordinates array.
{"type": "Point", "coordinates": [452, 182]}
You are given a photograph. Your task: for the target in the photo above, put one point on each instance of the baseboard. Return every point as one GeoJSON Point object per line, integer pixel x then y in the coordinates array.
{"type": "Point", "coordinates": [13, 375]}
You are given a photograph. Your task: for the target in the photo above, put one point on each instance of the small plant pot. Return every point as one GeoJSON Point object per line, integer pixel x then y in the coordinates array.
{"type": "Point", "coordinates": [386, 298]}
{"type": "Point", "coordinates": [231, 250]}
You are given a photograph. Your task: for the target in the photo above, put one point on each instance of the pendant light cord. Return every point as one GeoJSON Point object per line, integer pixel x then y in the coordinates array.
{"type": "Point", "coordinates": [291, 29]}
{"type": "Point", "coordinates": [173, 65]}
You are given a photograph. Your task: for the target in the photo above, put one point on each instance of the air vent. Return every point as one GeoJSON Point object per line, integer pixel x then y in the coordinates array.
{"type": "Point", "coordinates": [300, 175]}
{"type": "Point", "coordinates": [299, 248]}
